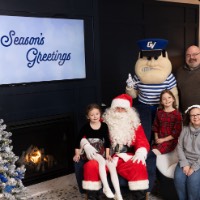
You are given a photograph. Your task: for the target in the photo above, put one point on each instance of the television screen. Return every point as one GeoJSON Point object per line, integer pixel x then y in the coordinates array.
{"type": "Point", "coordinates": [37, 49]}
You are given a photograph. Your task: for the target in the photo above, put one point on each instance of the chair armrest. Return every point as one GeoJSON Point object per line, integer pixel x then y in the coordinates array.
{"type": "Point", "coordinates": [166, 163]}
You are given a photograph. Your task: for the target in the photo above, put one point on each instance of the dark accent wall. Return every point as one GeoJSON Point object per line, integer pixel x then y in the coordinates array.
{"type": "Point", "coordinates": [112, 28]}
{"type": "Point", "coordinates": [123, 23]}
{"type": "Point", "coordinates": [29, 101]}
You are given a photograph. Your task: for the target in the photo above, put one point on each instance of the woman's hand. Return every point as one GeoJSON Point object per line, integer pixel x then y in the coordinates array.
{"type": "Point", "coordinates": [190, 172]}
{"type": "Point", "coordinates": [186, 170]}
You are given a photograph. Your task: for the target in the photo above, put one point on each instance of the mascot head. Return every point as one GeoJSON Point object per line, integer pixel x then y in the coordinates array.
{"type": "Point", "coordinates": [153, 65]}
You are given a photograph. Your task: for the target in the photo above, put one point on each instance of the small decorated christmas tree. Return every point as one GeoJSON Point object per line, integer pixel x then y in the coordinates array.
{"type": "Point", "coordinates": [11, 186]}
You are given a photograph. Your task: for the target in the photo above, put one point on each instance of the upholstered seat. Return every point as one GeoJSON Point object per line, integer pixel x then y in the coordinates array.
{"type": "Point", "coordinates": [166, 164]}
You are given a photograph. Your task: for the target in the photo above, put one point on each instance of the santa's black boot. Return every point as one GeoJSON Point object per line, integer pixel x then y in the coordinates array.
{"type": "Point", "coordinates": [138, 195]}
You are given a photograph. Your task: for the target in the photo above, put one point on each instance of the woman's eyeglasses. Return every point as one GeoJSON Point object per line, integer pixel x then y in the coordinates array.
{"type": "Point", "coordinates": [197, 115]}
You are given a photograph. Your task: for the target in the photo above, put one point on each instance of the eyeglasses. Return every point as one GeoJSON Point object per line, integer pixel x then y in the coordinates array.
{"type": "Point", "coordinates": [197, 115]}
{"type": "Point", "coordinates": [192, 55]}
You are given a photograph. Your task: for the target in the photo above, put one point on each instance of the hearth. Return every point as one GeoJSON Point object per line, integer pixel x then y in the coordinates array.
{"type": "Point", "coordinates": [44, 146]}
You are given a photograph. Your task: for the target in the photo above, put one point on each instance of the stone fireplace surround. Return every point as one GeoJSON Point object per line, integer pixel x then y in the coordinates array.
{"type": "Point", "coordinates": [54, 134]}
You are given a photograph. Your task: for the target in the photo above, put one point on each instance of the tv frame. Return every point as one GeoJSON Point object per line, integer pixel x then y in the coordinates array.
{"type": "Point", "coordinates": [88, 44]}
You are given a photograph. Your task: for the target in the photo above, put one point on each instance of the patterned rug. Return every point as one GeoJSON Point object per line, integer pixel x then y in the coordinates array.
{"type": "Point", "coordinates": [69, 193]}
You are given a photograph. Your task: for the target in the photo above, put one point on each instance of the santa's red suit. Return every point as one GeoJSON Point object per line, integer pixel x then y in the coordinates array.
{"type": "Point", "coordinates": [129, 143]}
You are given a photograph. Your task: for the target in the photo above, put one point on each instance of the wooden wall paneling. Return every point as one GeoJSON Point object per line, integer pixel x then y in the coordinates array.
{"type": "Point", "coordinates": [120, 29]}
{"type": "Point", "coordinates": [191, 26]}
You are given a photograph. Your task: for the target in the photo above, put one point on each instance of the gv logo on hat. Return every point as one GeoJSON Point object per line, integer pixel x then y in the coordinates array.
{"type": "Point", "coordinates": [151, 44]}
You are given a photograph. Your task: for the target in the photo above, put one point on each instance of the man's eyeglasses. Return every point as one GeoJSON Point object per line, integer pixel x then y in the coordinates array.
{"type": "Point", "coordinates": [192, 55]}
{"type": "Point", "coordinates": [197, 115]}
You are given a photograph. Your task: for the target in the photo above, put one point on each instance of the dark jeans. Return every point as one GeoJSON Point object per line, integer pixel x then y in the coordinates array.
{"type": "Point", "coordinates": [151, 168]}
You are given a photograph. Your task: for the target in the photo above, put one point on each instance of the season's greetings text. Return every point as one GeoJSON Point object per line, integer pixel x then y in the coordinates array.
{"type": "Point", "coordinates": [34, 55]}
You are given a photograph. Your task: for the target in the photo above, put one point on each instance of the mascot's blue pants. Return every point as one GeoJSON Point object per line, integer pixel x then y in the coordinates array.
{"type": "Point", "coordinates": [147, 114]}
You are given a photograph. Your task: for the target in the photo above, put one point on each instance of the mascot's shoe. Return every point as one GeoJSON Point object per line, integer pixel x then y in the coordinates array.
{"type": "Point", "coordinates": [118, 197]}
{"type": "Point", "coordinates": [108, 193]}
{"type": "Point", "coordinates": [138, 195]}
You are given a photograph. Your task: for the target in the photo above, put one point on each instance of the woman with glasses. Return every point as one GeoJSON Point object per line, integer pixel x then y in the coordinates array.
{"type": "Point", "coordinates": [188, 80]}
{"type": "Point", "coordinates": [187, 172]}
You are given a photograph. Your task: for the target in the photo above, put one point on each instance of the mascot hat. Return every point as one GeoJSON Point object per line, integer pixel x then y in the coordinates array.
{"type": "Point", "coordinates": [152, 46]}
{"type": "Point", "coordinates": [122, 101]}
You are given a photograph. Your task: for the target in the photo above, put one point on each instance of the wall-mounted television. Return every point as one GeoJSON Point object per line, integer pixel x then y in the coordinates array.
{"type": "Point", "coordinates": [37, 49]}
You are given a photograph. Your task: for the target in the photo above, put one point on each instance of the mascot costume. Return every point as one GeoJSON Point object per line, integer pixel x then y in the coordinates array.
{"type": "Point", "coordinates": [129, 145]}
{"type": "Point", "coordinates": [152, 75]}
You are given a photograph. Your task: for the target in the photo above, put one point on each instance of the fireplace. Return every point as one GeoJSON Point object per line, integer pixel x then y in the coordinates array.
{"type": "Point", "coordinates": [45, 146]}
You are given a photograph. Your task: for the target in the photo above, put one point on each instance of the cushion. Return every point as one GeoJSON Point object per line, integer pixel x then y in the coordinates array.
{"type": "Point", "coordinates": [166, 163]}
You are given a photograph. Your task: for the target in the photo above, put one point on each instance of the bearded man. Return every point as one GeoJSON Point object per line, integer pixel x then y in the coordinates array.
{"type": "Point", "coordinates": [130, 147]}
{"type": "Point", "coordinates": [188, 78]}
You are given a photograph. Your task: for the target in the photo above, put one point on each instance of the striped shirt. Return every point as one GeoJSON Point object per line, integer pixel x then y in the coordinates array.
{"type": "Point", "coordinates": [150, 93]}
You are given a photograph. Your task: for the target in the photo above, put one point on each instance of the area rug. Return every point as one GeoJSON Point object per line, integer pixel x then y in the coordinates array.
{"type": "Point", "coordinates": [69, 193]}
{"type": "Point", "coordinates": [63, 188]}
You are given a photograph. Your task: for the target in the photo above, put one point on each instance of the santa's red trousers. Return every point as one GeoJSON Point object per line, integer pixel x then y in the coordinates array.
{"type": "Point", "coordinates": [134, 173]}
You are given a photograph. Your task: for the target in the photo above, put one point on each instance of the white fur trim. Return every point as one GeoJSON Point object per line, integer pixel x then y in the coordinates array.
{"type": "Point", "coordinates": [91, 185]}
{"type": "Point", "coordinates": [194, 106]}
{"type": "Point", "coordinates": [124, 156]}
{"type": "Point", "coordinates": [122, 103]}
{"type": "Point", "coordinates": [138, 185]}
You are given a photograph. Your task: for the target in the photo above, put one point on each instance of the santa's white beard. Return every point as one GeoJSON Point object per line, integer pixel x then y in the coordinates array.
{"type": "Point", "coordinates": [122, 126]}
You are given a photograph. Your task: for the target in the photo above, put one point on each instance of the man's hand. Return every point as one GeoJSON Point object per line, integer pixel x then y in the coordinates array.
{"type": "Point", "coordinates": [140, 156]}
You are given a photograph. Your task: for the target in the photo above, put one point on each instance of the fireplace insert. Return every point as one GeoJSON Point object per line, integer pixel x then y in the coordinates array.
{"type": "Point", "coordinates": [45, 146]}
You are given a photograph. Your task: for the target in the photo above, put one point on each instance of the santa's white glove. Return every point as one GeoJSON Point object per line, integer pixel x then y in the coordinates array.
{"type": "Point", "coordinates": [140, 155]}
{"type": "Point", "coordinates": [90, 151]}
{"type": "Point", "coordinates": [130, 82]}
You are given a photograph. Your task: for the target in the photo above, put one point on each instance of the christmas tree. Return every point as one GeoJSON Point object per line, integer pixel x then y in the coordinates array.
{"type": "Point", "coordinates": [11, 186]}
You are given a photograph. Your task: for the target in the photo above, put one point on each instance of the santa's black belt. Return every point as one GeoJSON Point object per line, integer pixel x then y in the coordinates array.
{"type": "Point", "coordinates": [123, 149]}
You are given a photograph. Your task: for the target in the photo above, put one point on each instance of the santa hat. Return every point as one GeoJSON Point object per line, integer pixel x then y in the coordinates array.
{"type": "Point", "coordinates": [122, 101]}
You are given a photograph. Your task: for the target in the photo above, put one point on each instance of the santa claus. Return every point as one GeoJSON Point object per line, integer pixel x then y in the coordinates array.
{"type": "Point", "coordinates": [130, 147]}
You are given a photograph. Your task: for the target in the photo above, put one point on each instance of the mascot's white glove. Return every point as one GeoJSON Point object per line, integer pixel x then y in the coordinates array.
{"type": "Point", "coordinates": [88, 148]}
{"type": "Point", "coordinates": [130, 82]}
{"type": "Point", "coordinates": [140, 155]}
